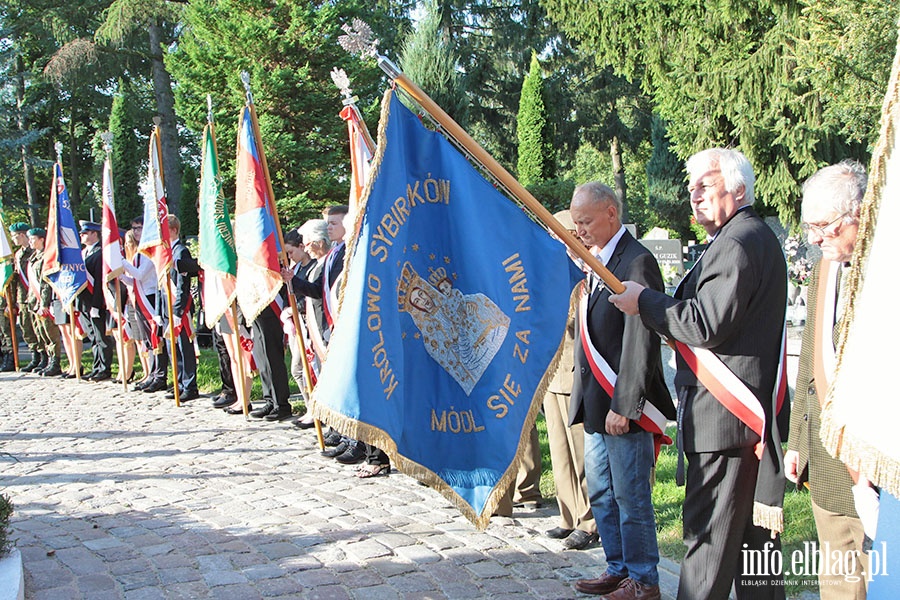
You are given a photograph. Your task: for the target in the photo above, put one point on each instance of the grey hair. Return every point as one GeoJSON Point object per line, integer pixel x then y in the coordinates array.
{"type": "Point", "coordinates": [737, 172]}
{"type": "Point", "coordinates": [841, 186]}
{"type": "Point", "coordinates": [600, 192]}
{"type": "Point", "coordinates": [313, 230]}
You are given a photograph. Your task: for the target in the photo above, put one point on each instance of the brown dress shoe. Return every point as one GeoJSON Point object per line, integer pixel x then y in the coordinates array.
{"type": "Point", "coordinates": [630, 589]}
{"type": "Point", "coordinates": [605, 584]}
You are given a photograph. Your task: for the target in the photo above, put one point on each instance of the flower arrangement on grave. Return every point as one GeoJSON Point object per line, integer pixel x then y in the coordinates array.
{"type": "Point", "coordinates": [799, 267]}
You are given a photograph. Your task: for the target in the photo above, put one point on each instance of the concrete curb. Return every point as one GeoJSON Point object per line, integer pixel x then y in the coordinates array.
{"type": "Point", "coordinates": [12, 576]}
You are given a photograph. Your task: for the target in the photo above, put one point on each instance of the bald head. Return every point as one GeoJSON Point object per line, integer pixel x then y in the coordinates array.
{"type": "Point", "coordinates": [596, 212]}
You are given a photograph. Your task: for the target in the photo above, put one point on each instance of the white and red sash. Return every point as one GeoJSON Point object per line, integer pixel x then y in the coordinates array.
{"type": "Point", "coordinates": [826, 312]}
{"type": "Point", "coordinates": [651, 419]}
{"type": "Point", "coordinates": [731, 392]}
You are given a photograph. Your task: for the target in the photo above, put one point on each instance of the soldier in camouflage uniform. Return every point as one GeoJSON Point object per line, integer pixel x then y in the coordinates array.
{"type": "Point", "coordinates": [44, 326]}
{"type": "Point", "coordinates": [19, 233]}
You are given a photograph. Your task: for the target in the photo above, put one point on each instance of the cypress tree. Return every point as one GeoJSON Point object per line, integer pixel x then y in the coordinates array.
{"type": "Point", "coordinates": [536, 160]}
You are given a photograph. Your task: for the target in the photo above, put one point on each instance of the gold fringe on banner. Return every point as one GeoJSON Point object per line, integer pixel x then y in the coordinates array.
{"type": "Point", "coordinates": [378, 437]}
{"type": "Point", "coordinates": [768, 517]}
{"type": "Point", "coordinates": [850, 446]}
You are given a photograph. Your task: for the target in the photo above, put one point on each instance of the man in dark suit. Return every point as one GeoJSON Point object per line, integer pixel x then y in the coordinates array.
{"type": "Point", "coordinates": [184, 268]}
{"type": "Point", "coordinates": [93, 305]}
{"type": "Point", "coordinates": [728, 311]}
{"type": "Point", "coordinates": [831, 204]}
{"type": "Point", "coordinates": [618, 372]}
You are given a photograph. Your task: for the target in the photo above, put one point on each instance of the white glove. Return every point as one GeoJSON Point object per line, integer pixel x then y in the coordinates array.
{"type": "Point", "coordinates": [95, 312]}
{"type": "Point", "coordinates": [866, 501]}
{"type": "Point", "coordinates": [287, 322]}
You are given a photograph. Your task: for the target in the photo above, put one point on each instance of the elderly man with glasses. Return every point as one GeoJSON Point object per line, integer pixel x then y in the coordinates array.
{"type": "Point", "coordinates": [830, 210]}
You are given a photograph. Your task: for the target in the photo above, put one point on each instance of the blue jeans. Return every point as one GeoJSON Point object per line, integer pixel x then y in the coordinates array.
{"type": "Point", "coordinates": [617, 468]}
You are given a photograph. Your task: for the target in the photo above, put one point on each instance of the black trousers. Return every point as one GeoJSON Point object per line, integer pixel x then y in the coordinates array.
{"type": "Point", "coordinates": [268, 333]}
{"type": "Point", "coordinates": [101, 344]}
{"type": "Point", "coordinates": [225, 374]}
{"type": "Point", "coordinates": [719, 531]}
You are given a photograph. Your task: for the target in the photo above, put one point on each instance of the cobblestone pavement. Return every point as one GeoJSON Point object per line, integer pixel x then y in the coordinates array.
{"type": "Point", "coordinates": [123, 495]}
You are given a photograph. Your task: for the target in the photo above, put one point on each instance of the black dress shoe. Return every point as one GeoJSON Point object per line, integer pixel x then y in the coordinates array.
{"type": "Point", "coordinates": [336, 451]}
{"type": "Point", "coordinates": [188, 395]}
{"type": "Point", "coordinates": [579, 540]}
{"type": "Point", "coordinates": [558, 533]}
{"type": "Point", "coordinates": [154, 386]}
{"type": "Point", "coordinates": [231, 410]}
{"type": "Point", "coordinates": [279, 414]}
{"type": "Point", "coordinates": [101, 376]}
{"type": "Point", "coordinates": [302, 424]}
{"type": "Point", "coordinates": [259, 413]}
{"type": "Point", "coordinates": [333, 438]}
{"type": "Point", "coordinates": [355, 454]}
{"type": "Point", "coordinates": [221, 401]}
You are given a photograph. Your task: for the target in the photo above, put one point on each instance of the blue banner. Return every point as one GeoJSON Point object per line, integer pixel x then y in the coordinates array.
{"type": "Point", "coordinates": [454, 306]}
{"type": "Point", "coordinates": [63, 263]}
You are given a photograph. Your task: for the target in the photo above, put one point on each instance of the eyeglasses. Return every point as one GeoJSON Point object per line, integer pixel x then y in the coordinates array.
{"type": "Point", "coordinates": [822, 230]}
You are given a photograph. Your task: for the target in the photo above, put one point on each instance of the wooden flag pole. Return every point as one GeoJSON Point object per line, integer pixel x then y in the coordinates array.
{"type": "Point", "coordinates": [120, 347]}
{"type": "Point", "coordinates": [243, 393]}
{"type": "Point", "coordinates": [12, 325]}
{"type": "Point", "coordinates": [173, 354]}
{"type": "Point", "coordinates": [295, 316]}
{"type": "Point", "coordinates": [503, 176]}
{"type": "Point", "coordinates": [73, 328]}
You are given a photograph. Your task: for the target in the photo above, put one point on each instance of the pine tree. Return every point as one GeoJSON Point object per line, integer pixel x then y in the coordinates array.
{"type": "Point", "coordinates": [427, 59]}
{"type": "Point", "coordinates": [289, 49]}
{"type": "Point", "coordinates": [726, 74]}
{"type": "Point", "coordinates": [536, 162]}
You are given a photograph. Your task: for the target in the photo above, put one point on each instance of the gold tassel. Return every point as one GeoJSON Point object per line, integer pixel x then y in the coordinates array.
{"type": "Point", "coordinates": [769, 517]}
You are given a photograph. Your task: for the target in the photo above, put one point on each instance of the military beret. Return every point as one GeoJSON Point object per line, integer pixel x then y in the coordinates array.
{"type": "Point", "coordinates": [88, 226]}
{"type": "Point", "coordinates": [37, 232]}
{"type": "Point", "coordinates": [18, 227]}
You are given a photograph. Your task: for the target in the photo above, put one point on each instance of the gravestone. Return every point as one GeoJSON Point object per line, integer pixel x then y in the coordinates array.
{"type": "Point", "coordinates": [669, 256]}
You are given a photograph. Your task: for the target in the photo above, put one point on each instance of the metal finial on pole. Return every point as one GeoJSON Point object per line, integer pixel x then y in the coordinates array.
{"type": "Point", "coordinates": [245, 78]}
{"type": "Point", "coordinates": [107, 137]}
{"type": "Point", "coordinates": [342, 81]}
{"type": "Point", "coordinates": [359, 39]}
{"type": "Point", "coordinates": [58, 147]}
{"type": "Point", "coordinates": [209, 112]}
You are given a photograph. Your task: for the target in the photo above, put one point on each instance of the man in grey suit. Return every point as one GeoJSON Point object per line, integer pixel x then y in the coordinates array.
{"type": "Point", "coordinates": [831, 208]}
{"type": "Point", "coordinates": [729, 312]}
{"type": "Point", "coordinates": [618, 373]}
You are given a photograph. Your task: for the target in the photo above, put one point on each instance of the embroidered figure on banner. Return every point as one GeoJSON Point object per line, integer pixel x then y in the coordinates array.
{"type": "Point", "coordinates": [461, 332]}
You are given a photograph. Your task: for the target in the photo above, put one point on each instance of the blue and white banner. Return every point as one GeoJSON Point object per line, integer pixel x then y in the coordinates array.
{"type": "Point", "coordinates": [454, 307]}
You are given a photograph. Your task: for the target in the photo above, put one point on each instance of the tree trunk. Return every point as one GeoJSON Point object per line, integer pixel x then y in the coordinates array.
{"type": "Point", "coordinates": [615, 152]}
{"type": "Point", "coordinates": [30, 199]}
{"type": "Point", "coordinates": [165, 106]}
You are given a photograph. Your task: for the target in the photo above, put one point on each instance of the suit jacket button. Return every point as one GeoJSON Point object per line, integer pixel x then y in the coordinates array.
{"type": "Point", "coordinates": [811, 390]}
{"type": "Point", "coordinates": [583, 370]}
{"type": "Point", "coordinates": [806, 417]}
